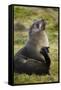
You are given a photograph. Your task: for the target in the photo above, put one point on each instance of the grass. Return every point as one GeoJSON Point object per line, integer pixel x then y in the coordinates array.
{"type": "Point", "coordinates": [26, 16]}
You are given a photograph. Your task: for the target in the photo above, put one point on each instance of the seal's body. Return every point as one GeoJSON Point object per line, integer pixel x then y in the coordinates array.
{"type": "Point", "coordinates": [34, 58]}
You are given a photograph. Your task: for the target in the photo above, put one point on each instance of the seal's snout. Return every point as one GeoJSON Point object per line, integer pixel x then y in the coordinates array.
{"type": "Point", "coordinates": [42, 24]}
{"type": "Point", "coordinates": [43, 21]}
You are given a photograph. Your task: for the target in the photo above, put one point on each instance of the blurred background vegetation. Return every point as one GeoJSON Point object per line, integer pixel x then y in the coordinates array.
{"type": "Point", "coordinates": [23, 19]}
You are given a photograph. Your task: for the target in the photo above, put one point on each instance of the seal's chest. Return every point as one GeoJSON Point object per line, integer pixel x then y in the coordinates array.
{"type": "Point", "coordinates": [42, 41]}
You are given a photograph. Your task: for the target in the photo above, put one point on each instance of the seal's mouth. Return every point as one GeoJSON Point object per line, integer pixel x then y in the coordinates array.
{"type": "Point", "coordinates": [42, 24]}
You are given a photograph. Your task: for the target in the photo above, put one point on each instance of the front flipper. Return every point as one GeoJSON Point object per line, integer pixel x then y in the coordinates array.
{"type": "Point", "coordinates": [45, 51]}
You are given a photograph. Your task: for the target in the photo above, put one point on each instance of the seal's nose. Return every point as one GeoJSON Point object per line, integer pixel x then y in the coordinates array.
{"type": "Point", "coordinates": [43, 21]}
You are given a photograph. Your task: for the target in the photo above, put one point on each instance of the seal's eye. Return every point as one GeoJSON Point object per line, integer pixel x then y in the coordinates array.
{"type": "Point", "coordinates": [37, 25]}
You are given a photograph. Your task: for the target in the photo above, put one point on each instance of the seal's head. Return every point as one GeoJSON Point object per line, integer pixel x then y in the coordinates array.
{"type": "Point", "coordinates": [37, 26]}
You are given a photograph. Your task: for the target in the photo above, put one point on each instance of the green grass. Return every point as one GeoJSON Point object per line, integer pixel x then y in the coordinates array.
{"type": "Point", "coordinates": [26, 16]}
